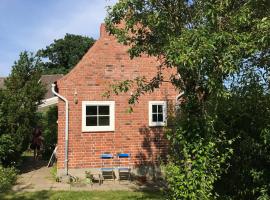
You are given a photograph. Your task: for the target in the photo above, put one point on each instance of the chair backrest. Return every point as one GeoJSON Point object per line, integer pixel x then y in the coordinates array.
{"type": "Point", "coordinates": [124, 159]}
{"type": "Point", "coordinates": [123, 155]}
{"type": "Point", "coordinates": [107, 159]}
{"type": "Point", "coordinates": [106, 156]}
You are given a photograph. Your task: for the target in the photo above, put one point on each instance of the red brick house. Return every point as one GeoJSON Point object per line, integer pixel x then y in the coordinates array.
{"type": "Point", "coordinates": [97, 124]}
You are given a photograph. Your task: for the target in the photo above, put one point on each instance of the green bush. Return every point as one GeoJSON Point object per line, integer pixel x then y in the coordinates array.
{"type": "Point", "coordinates": [8, 177]}
{"type": "Point", "coordinates": [193, 170]}
{"type": "Point", "coordinates": [49, 131]}
{"type": "Point", "coordinates": [8, 148]}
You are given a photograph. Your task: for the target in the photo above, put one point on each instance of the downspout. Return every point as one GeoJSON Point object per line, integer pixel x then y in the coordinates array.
{"type": "Point", "coordinates": [179, 95]}
{"type": "Point", "coordinates": [177, 98]}
{"type": "Point", "coordinates": [66, 127]}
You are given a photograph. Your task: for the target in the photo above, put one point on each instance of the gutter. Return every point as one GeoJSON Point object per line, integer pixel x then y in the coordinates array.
{"type": "Point", "coordinates": [66, 127]}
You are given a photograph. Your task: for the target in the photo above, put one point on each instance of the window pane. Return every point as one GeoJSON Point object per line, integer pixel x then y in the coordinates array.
{"type": "Point", "coordinates": [104, 121]}
{"type": "Point", "coordinates": [91, 110]}
{"type": "Point", "coordinates": [160, 109]}
{"type": "Point", "coordinates": [154, 108]}
{"type": "Point", "coordinates": [154, 117]}
{"type": "Point", "coordinates": [91, 121]}
{"type": "Point", "coordinates": [160, 117]}
{"type": "Point", "coordinates": [104, 110]}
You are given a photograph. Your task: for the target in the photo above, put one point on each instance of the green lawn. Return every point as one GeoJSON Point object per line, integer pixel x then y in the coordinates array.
{"type": "Point", "coordinates": [93, 195]}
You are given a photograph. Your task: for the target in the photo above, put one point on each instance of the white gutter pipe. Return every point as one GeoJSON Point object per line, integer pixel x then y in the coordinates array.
{"type": "Point", "coordinates": [178, 96]}
{"type": "Point", "coordinates": [66, 127]}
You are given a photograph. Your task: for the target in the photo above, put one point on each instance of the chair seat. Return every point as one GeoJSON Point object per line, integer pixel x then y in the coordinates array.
{"type": "Point", "coordinates": [123, 168]}
{"type": "Point", "coordinates": [107, 169]}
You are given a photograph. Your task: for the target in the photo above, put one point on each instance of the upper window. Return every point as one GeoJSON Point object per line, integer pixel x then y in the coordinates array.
{"type": "Point", "coordinates": [97, 116]}
{"type": "Point", "coordinates": [157, 113]}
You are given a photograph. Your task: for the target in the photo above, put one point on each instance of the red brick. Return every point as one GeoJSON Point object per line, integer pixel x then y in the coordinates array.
{"type": "Point", "coordinates": [105, 62]}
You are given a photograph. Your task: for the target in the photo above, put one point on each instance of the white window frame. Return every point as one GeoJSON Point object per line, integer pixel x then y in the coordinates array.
{"type": "Point", "coordinates": [150, 112]}
{"type": "Point", "coordinates": [111, 127]}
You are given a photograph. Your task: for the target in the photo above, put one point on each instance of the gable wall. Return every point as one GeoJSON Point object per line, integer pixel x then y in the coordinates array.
{"type": "Point", "coordinates": [105, 62]}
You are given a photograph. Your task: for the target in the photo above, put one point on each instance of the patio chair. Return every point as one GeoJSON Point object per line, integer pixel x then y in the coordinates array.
{"type": "Point", "coordinates": [107, 169]}
{"type": "Point", "coordinates": [124, 169]}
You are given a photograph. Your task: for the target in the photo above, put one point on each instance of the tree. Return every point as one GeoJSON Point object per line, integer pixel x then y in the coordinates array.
{"type": "Point", "coordinates": [20, 98]}
{"type": "Point", "coordinates": [207, 42]}
{"type": "Point", "coordinates": [64, 54]}
{"type": "Point", "coordinates": [246, 114]}
{"type": "Point", "coordinates": [49, 130]}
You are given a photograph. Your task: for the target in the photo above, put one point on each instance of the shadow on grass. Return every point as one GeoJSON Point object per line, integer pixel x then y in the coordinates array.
{"type": "Point", "coordinates": [26, 196]}
{"type": "Point", "coordinates": [72, 195]}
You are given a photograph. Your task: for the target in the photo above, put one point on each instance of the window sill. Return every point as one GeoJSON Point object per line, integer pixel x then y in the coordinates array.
{"type": "Point", "coordinates": [157, 125]}
{"type": "Point", "coordinates": [98, 129]}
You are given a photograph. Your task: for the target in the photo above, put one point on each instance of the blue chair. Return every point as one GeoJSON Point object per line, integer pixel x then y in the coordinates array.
{"type": "Point", "coordinates": [107, 169]}
{"type": "Point", "coordinates": [124, 169]}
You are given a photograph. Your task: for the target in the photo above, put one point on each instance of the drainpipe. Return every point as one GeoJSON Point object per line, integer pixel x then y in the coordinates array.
{"type": "Point", "coordinates": [66, 127]}
{"type": "Point", "coordinates": [176, 100]}
{"type": "Point", "coordinates": [178, 96]}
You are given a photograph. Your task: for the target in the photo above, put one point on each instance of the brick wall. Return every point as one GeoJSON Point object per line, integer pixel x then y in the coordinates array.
{"type": "Point", "coordinates": [105, 62]}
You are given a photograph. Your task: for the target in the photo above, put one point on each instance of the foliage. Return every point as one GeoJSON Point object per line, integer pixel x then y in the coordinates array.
{"type": "Point", "coordinates": [53, 171]}
{"type": "Point", "coordinates": [89, 177]}
{"type": "Point", "coordinates": [246, 114]}
{"type": "Point", "coordinates": [199, 154]}
{"type": "Point", "coordinates": [49, 131]}
{"type": "Point", "coordinates": [8, 177]}
{"type": "Point", "coordinates": [193, 176]}
{"type": "Point", "coordinates": [8, 149]}
{"type": "Point", "coordinates": [210, 44]}
{"type": "Point", "coordinates": [23, 91]}
{"type": "Point", "coordinates": [63, 54]}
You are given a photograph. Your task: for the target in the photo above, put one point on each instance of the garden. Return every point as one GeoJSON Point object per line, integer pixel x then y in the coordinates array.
{"type": "Point", "coordinates": [219, 138]}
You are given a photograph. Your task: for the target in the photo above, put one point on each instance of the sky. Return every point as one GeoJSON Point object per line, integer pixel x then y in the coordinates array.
{"type": "Point", "coordinates": [34, 24]}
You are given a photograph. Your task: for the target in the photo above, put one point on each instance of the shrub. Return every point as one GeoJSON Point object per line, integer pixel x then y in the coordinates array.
{"type": "Point", "coordinates": [7, 148]}
{"type": "Point", "coordinates": [192, 172]}
{"type": "Point", "coordinates": [8, 177]}
{"type": "Point", "coordinates": [49, 122]}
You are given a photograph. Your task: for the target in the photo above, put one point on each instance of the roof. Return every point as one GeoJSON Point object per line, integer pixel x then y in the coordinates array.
{"type": "Point", "coordinates": [47, 80]}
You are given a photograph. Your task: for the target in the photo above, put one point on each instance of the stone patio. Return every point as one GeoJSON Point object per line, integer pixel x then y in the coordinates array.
{"type": "Point", "coordinates": [36, 176]}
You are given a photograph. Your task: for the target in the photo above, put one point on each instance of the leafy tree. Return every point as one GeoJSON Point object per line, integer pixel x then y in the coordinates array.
{"type": "Point", "coordinates": [207, 42]}
{"type": "Point", "coordinates": [63, 54]}
{"type": "Point", "coordinates": [246, 114]}
{"type": "Point", "coordinates": [23, 91]}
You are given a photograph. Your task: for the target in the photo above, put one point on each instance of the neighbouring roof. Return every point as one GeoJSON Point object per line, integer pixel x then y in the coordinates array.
{"type": "Point", "coordinates": [47, 80]}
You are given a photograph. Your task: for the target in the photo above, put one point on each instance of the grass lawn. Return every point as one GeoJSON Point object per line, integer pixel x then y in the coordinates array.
{"type": "Point", "coordinates": [72, 195]}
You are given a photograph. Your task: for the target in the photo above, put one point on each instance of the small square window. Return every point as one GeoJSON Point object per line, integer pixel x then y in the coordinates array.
{"type": "Point", "coordinates": [157, 113]}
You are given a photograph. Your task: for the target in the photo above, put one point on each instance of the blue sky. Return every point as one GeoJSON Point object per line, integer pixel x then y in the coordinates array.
{"type": "Point", "coordinates": [33, 24]}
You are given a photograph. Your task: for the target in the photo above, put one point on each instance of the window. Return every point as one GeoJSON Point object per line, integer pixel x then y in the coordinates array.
{"type": "Point", "coordinates": [157, 113]}
{"type": "Point", "coordinates": [97, 116]}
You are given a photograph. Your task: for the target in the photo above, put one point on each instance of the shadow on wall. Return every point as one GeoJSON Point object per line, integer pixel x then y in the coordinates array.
{"type": "Point", "coordinates": [155, 148]}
